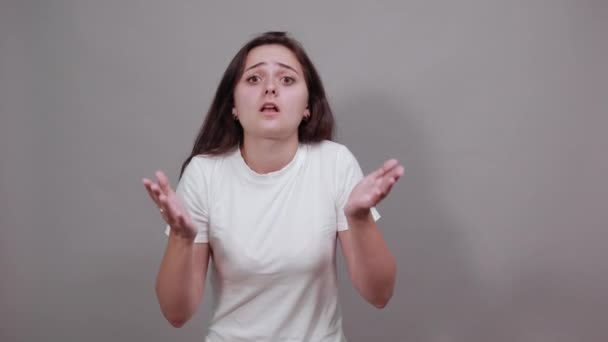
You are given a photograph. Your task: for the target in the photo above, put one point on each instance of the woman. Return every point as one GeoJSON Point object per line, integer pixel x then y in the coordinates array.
{"type": "Point", "coordinates": [265, 194]}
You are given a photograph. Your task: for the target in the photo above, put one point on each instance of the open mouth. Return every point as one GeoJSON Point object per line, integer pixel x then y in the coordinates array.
{"type": "Point", "coordinates": [269, 107]}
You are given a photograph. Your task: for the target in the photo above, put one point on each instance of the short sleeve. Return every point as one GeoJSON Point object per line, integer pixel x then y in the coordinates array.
{"type": "Point", "coordinates": [192, 191]}
{"type": "Point", "coordinates": [348, 175]}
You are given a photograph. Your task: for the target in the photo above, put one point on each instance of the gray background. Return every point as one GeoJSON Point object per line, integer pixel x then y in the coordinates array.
{"type": "Point", "coordinates": [497, 109]}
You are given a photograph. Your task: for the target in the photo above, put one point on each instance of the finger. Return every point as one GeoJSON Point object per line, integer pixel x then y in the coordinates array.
{"type": "Point", "coordinates": [156, 190]}
{"type": "Point", "coordinates": [163, 182]}
{"type": "Point", "coordinates": [166, 209]}
{"type": "Point", "coordinates": [389, 179]}
{"type": "Point", "coordinates": [396, 173]}
{"type": "Point", "coordinates": [164, 215]}
{"type": "Point", "coordinates": [148, 184]}
{"type": "Point", "coordinates": [173, 211]}
{"type": "Point", "coordinates": [386, 167]}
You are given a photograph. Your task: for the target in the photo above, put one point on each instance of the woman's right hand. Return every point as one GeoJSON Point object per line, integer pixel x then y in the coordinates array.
{"type": "Point", "coordinates": [171, 208]}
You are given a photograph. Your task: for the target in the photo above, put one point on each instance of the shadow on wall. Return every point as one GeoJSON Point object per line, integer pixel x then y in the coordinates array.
{"type": "Point", "coordinates": [438, 296]}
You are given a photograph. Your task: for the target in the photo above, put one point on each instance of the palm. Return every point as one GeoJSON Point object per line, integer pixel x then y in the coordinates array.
{"type": "Point", "coordinates": [373, 188]}
{"type": "Point", "coordinates": [170, 205]}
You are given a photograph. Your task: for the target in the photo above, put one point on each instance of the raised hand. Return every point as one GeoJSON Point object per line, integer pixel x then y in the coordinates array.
{"type": "Point", "coordinates": [170, 206]}
{"type": "Point", "coordinates": [372, 189]}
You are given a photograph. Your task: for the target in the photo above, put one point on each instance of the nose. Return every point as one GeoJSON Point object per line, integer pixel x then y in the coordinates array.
{"type": "Point", "coordinates": [270, 88]}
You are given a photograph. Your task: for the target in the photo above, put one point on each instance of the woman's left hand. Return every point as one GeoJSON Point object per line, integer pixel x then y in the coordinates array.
{"type": "Point", "coordinates": [372, 189]}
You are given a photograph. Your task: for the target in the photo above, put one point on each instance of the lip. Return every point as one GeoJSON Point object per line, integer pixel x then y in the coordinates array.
{"type": "Point", "coordinates": [269, 104]}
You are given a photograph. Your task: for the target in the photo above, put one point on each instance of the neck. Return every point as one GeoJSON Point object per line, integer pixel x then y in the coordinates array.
{"type": "Point", "coordinates": [268, 155]}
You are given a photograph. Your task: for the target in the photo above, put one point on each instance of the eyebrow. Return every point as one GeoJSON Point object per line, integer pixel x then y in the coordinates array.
{"type": "Point", "coordinates": [277, 63]}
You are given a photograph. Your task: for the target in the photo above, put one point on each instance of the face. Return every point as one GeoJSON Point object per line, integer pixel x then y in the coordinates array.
{"type": "Point", "coordinates": [271, 98]}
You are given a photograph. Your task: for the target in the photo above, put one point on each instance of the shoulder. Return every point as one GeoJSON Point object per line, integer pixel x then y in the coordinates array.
{"type": "Point", "coordinates": [203, 166]}
{"type": "Point", "coordinates": [210, 161]}
{"type": "Point", "coordinates": [339, 154]}
{"type": "Point", "coordinates": [330, 149]}
{"type": "Point", "coordinates": [334, 157]}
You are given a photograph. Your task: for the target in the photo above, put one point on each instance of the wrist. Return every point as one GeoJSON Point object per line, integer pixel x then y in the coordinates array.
{"type": "Point", "coordinates": [182, 237]}
{"type": "Point", "coordinates": [357, 214]}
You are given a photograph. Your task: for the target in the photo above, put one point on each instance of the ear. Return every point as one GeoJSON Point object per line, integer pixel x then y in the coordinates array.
{"type": "Point", "coordinates": [306, 114]}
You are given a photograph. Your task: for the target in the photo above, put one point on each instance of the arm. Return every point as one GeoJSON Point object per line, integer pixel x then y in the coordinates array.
{"type": "Point", "coordinates": [371, 265]}
{"type": "Point", "coordinates": [181, 278]}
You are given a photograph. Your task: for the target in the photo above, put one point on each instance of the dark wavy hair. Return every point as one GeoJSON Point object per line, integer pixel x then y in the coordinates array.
{"type": "Point", "coordinates": [220, 133]}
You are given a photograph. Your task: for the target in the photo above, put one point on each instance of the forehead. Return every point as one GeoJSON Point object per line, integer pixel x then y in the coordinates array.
{"type": "Point", "coordinates": [272, 54]}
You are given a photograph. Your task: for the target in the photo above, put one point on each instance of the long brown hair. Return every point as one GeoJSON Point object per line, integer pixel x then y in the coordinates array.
{"type": "Point", "coordinates": [220, 133]}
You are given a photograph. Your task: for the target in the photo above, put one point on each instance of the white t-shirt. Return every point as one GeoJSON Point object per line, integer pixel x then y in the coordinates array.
{"type": "Point", "coordinates": [273, 241]}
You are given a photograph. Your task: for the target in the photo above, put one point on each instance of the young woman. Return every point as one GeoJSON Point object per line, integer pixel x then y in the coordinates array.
{"type": "Point", "coordinates": [265, 194]}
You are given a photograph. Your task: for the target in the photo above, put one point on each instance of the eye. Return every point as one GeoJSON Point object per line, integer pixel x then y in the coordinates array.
{"type": "Point", "coordinates": [287, 80]}
{"type": "Point", "coordinates": [253, 79]}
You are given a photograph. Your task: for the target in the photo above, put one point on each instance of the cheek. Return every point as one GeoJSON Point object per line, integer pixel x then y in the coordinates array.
{"type": "Point", "coordinates": [299, 98]}
{"type": "Point", "coordinates": [244, 96]}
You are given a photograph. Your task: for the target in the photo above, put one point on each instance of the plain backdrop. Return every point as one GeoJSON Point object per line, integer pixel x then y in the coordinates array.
{"type": "Point", "coordinates": [497, 109]}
